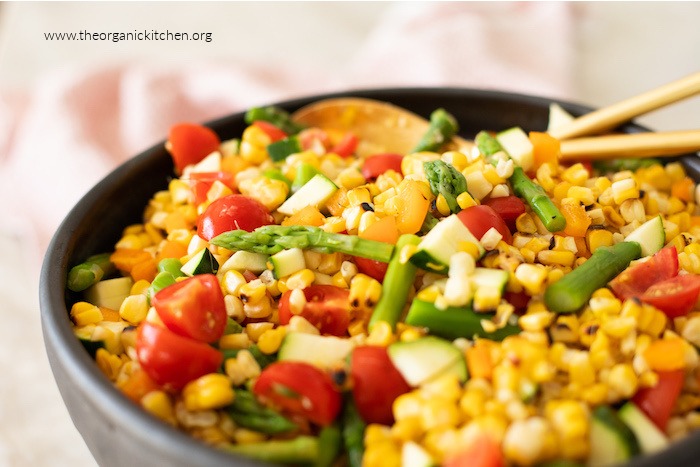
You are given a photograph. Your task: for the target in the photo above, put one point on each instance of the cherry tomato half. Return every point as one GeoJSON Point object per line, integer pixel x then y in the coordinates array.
{"type": "Point", "coordinates": [232, 212]}
{"type": "Point", "coordinates": [327, 307]}
{"type": "Point", "coordinates": [371, 267]}
{"type": "Point", "coordinates": [346, 146]}
{"type": "Point", "coordinates": [635, 280]}
{"type": "Point", "coordinates": [172, 360]}
{"type": "Point", "coordinates": [201, 182]}
{"type": "Point", "coordinates": [508, 207]}
{"type": "Point", "coordinates": [675, 296]}
{"type": "Point", "coordinates": [189, 143]}
{"type": "Point", "coordinates": [376, 165]}
{"type": "Point", "coordinates": [299, 389]}
{"type": "Point", "coordinates": [376, 383]}
{"type": "Point", "coordinates": [482, 452]}
{"type": "Point", "coordinates": [657, 402]}
{"type": "Point", "coordinates": [479, 219]}
{"type": "Point", "coordinates": [193, 308]}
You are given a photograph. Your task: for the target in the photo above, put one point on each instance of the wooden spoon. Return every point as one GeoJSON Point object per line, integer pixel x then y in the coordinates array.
{"type": "Point", "coordinates": [380, 126]}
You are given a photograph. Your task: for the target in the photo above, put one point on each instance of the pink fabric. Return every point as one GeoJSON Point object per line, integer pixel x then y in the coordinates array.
{"type": "Point", "coordinates": [62, 134]}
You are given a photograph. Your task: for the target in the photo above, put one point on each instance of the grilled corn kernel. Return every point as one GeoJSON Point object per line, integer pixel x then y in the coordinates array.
{"type": "Point", "coordinates": [241, 367]}
{"type": "Point", "coordinates": [381, 334]}
{"type": "Point", "coordinates": [300, 279]}
{"type": "Point", "coordinates": [364, 292]}
{"type": "Point", "coordinates": [532, 277]}
{"type": "Point", "coordinates": [210, 391]}
{"type": "Point", "coordinates": [623, 380]}
{"type": "Point", "coordinates": [234, 341]}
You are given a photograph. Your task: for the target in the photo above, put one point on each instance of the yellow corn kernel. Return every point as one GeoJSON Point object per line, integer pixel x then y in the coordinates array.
{"type": "Point", "coordinates": [532, 277]}
{"type": "Point", "coordinates": [605, 305]}
{"type": "Point", "coordinates": [245, 436]}
{"type": "Point", "coordinates": [357, 196]}
{"type": "Point", "coordinates": [139, 287]}
{"type": "Point", "coordinates": [619, 327]}
{"type": "Point", "coordinates": [255, 330]}
{"type": "Point", "coordinates": [134, 308]}
{"type": "Point", "coordinates": [211, 391]}
{"type": "Point", "coordinates": [252, 291]}
{"type": "Point", "coordinates": [364, 292]}
{"type": "Point", "coordinates": [108, 363]}
{"type": "Point", "coordinates": [465, 200]}
{"type": "Point", "coordinates": [258, 309]}
{"type": "Point", "coordinates": [381, 455]}
{"type": "Point", "coordinates": [302, 325]}
{"type": "Point", "coordinates": [492, 176]}
{"type": "Point", "coordinates": [624, 189]}
{"type": "Point", "coordinates": [300, 279]}
{"type": "Point", "coordinates": [438, 412]}
{"type": "Point", "coordinates": [595, 238]}
{"type": "Point", "coordinates": [330, 263]}
{"type": "Point", "coordinates": [84, 313]}
{"type": "Point", "coordinates": [581, 194]}
{"type": "Point", "coordinates": [381, 334]}
{"type": "Point", "coordinates": [241, 367]}
{"type": "Point", "coordinates": [675, 171]}
{"type": "Point", "coordinates": [544, 176]}
{"type": "Point", "coordinates": [270, 192]}
{"type": "Point", "coordinates": [269, 341]}
{"type": "Point", "coordinates": [407, 429]}
{"type": "Point", "coordinates": [595, 394]}
{"type": "Point", "coordinates": [568, 417]}
{"type": "Point", "coordinates": [159, 404]}
{"type": "Point", "coordinates": [576, 174]}
{"type": "Point", "coordinates": [556, 258]}
{"type": "Point", "coordinates": [350, 178]}
{"type": "Point", "coordinates": [442, 206]}
{"type": "Point", "coordinates": [580, 369]}
{"type": "Point", "coordinates": [234, 341]}
{"type": "Point", "coordinates": [530, 441]}
{"type": "Point", "coordinates": [525, 224]}
{"type": "Point", "coordinates": [623, 380]}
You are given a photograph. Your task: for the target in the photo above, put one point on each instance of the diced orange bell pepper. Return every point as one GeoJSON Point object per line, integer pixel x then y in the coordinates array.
{"type": "Point", "coordinates": [412, 206]}
{"type": "Point", "coordinates": [479, 360]}
{"type": "Point", "coordinates": [109, 314]}
{"type": "Point", "coordinates": [172, 249]}
{"type": "Point", "coordinates": [137, 385]}
{"type": "Point", "coordinates": [337, 203]}
{"type": "Point", "coordinates": [384, 230]}
{"type": "Point", "coordinates": [145, 270]}
{"type": "Point", "coordinates": [126, 258]}
{"type": "Point", "coordinates": [577, 221]}
{"type": "Point", "coordinates": [683, 189]}
{"type": "Point", "coordinates": [309, 215]}
{"type": "Point", "coordinates": [545, 148]}
{"type": "Point", "coordinates": [665, 355]}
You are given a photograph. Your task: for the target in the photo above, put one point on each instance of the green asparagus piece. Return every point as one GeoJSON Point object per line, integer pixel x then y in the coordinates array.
{"type": "Point", "coordinates": [305, 172]}
{"type": "Point", "coordinates": [353, 433]}
{"type": "Point", "coordinates": [171, 265]}
{"type": "Point", "coordinates": [89, 272]}
{"type": "Point", "coordinates": [447, 181]}
{"type": "Point", "coordinates": [162, 280]}
{"type": "Point", "coordinates": [330, 442]}
{"type": "Point", "coordinates": [533, 194]}
{"type": "Point", "coordinates": [429, 222]}
{"type": "Point", "coordinates": [247, 412]}
{"type": "Point", "coordinates": [443, 127]}
{"type": "Point", "coordinates": [397, 283]}
{"type": "Point", "coordinates": [570, 293]}
{"type": "Point", "coordinates": [275, 115]}
{"type": "Point", "coordinates": [300, 450]}
{"type": "Point", "coordinates": [617, 165]}
{"type": "Point", "coordinates": [232, 326]}
{"type": "Point", "coordinates": [454, 322]}
{"type": "Point", "coordinates": [271, 239]}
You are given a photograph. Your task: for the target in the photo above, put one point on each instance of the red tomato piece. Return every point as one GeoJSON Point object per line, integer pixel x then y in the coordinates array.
{"type": "Point", "coordinates": [376, 165]}
{"type": "Point", "coordinates": [376, 383]}
{"type": "Point", "coordinates": [270, 130]}
{"type": "Point", "coordinates": [635, 280]}
{"type": "Point", "coordinates": [172, 360]}
{"type": "Point", "coordinates": [346, 147]}
{"type": "Point", "coordinates": [327, 307]}
{"type": "Point", "coordinates": [372, 268]}
{"type": "Point", "coordinates": [657, 402]}
{"type": "Point", "coordinates": [479, 219]}
{"type": "Point", "coordinates": [675, 296]}
{"type": "Point", "coordinates": [193, 308]}
{"type": "Point", "coordinates": [189, 143]}
{"type": "Point", "coordinates": [314, 139]}
{"type": "Point", "coordinates": [232, 212]}
{"type": "Point", "coordinates": [299, 389]}
{"type": "Point", "coordinates": [508, 207]}
{"type": "Point", "coordinates": [201, 182]}
{"type": "Point", "coordinates": [483, 452]}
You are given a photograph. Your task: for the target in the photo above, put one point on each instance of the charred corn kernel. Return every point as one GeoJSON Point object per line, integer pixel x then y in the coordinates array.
{"type": "Point", "coordinates": [624, 189]}
{"type": "Point", "coordinates": [84, 313]}
{"type": "Point", "coordinates": [525, 224]}
{"type": "Point", "coordinates": [465, 200]}
{"type": "Point", "coordinates": [529, 442]}
{"type": "Point", "coordinates": [531, 277]}
{"type": "Point", "coordinates": [623, 380]}
{"type": "Point", "coordinates": [207, 392]}
{"type": "Point", "coordinates": [234, 307]}
{"type": "Point", "coordinates": [581, 194]}
{"type": "Point", "coordinates": [255, 330]}
{"type": "Point", "coordinates": [159, 404]}
{"type": "Point", "coordinates": [485, 298]}
{"type": "Point", "coordinates": [595, 238]}
{"type": "Point", "coordinates": [302, 325]}
{"type": "Point", "coordinates": [300, 279]}
{"type": "Point", "coordinates": [556, 258]}
{"type": "Point", "coordinates": [330, 263]}
{"type": "Point", "coordinates": [478, 185]}
{"type": "Point", "coordinates": [241, 367]}
{"type": "Point", "coordinates": [252, 291]}
{"type": "Point", "coordinates": [381, 334]}
{"type": "Point", "coordinates": [134, 308]}
{"type": "Point", "coordinates": [633, 210]}
{"type": "Point", "coordinates": [269, 341]}
{"type": "Point", "coordinates": [234, 341]}
{"type": "Point", "coordinates": [619, 327]}
{"type": "Point", "coordinates": [364, 292]}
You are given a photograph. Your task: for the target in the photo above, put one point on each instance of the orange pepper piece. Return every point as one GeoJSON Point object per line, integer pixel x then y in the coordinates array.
{"type": "Point", "coordinates": [665, 355]}
{"type": "Point", "coordinates": [545, 148]}
{"type": "Point", "coordinates": [309, 215]}
{"type": "Point", "coordinates": [384, 230]}
{"type": "Point", "coordinates": [126, 258]}
{"type": "Point", "coordinates": [145, 270]}
{"type": "Point", "coordinates": [577, 221]}
{"type": "Point", "coordinates": [479, 360]}
{"type": "Point", "coordinates": [683, 189]}
{"type": "Point", "coordinates": [171, 249]}
{"type": "Point", "coordinates": [412, 207]}
{"type": "Point", "coordinates": [138, 385]}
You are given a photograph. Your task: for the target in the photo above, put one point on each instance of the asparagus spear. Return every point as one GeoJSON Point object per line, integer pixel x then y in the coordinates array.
{"type": "Point", "coordinates": [447, 181]}
{"type": "Point", "coordinates": [275, 115]}
{"type": "Point", "coordinates": [329, 441]}
{"type": "Point", "coordinates": [271, 239]}
{"type": "Point", "coordinates": [454, 322]}
{"type": "Point", "coordinates": [353, 433]}
{"type": "Point", "coordinates": [571, 292]}
{"type": "Point", "coordinates": [443, 127]}
{"type": "Point", "coordinates": [533, 194]}
{"type": "Point", "coordinates": [89, 272]}
{"type": "Point", "coordinates": [248, 413]}
{"type": "Point", "coordinates": [300, 450]}
{"type": "Point", "coordinates": [397, 282]}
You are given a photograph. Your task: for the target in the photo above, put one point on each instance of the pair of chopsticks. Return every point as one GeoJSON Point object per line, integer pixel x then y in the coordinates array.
{"type": "Point", "coordinates": [576, 142]}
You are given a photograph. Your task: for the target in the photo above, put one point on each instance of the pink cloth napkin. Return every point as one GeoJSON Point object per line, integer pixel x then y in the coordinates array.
{"type": "Point", "coordinates": [63, 133]}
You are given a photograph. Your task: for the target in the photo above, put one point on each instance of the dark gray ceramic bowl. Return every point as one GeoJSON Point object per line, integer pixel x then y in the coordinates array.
{"type": "Point", "coordinates": [117, 432]}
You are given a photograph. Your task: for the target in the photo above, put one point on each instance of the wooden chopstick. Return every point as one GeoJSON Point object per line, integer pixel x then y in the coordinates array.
{"type": "Point", "coordinates": [652, 144]}
{"type": "Point", "coordinates": [609, 117]}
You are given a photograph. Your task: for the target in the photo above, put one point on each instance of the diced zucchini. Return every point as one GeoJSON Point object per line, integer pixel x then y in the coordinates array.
{"type": "Point", "coordinates": [517, 145]}
{"type": "Point", "coordinates": [612, 442]}
{"type": "Point", "coordinates": [426, 358]}
{"type": "Point", "coordinates": [84, 334]}
{"type": "Point", "coordinates": [486, 277]}
{"type": "Point", "coordinates": [314, 193]}
{"type": "Point", "coordinates": [203, 262]}
{"type": "Point", "coordinates": [650, 438]}
{"type": "Point", "coordinates": [305, 172]}
{"type": "Point", "coordinates": [651, 236]}
{"type": "Point", "coordinates": [321, 351]}
{"type": "Point", "coordinates": [109, 293]}
{"type": "Point", "coordinates": [287, 262]}
{"type": "Point", "coordinates": [279, 150]}
{"type": "Point", "coordinates": [246, 261]}
{"type": "Point", "coordinates": [441, 242]}
{"type": "Point", "coordinates": [558, 117]}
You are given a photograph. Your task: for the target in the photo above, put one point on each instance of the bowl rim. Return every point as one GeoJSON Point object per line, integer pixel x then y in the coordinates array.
{"type": "Point", "coordinates": [62, 346]}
